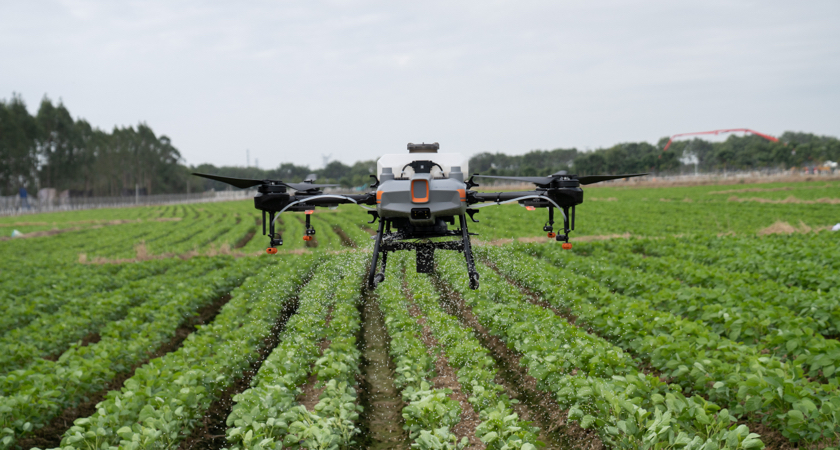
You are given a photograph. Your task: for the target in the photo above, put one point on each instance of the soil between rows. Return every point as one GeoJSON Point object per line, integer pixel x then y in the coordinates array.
{"type": "Point", "coordinates": [534, 405]}
{"type": "Point", "coordinates": [346, 241]}
{"type": "Point", "coordinates": [381, 422]}
{"type": "Point", "coordinates": [310, 391]}
{"type": "Point", "coordinates": [50, 435]}
{"type": "Point", "coordinates": [773, 439]}
{"type": "Point", "coordinates": [447, 378]}
{"type": "Point", "coordinates": [245, 239]}
{"type": "Point", "coordinates": [211, 433]}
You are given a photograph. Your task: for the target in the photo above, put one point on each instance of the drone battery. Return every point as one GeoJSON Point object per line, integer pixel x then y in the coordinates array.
{"type": "Point", "coordinates": [421, 213]}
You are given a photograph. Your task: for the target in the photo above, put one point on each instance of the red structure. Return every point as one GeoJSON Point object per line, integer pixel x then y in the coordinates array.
{"type": "Point", "coordinates": [716, 132]}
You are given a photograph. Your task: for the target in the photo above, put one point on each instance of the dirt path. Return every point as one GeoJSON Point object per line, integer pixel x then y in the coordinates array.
{"type": "Point", "coordinates": [381, 422]}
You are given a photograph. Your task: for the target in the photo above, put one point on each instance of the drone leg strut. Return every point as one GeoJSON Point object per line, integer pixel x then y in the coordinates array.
{"type": "Point", "coordinates": [380, 277]}
{"type": "Point", "coordinates": [473, 274]}
{"type": "Point", "coordinates": [372, 276]}
{"type": "Point", "coordinates": [274, 240]}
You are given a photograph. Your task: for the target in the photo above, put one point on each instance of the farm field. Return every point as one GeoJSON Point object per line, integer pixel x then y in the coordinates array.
{"type": "Point", "coordinates": [700, 317]}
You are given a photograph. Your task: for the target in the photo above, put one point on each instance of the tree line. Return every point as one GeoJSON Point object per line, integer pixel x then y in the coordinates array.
{"type": "Point", "coordinates": [794, 150]}
{"type": "Point", "coordinates": [51, 149]}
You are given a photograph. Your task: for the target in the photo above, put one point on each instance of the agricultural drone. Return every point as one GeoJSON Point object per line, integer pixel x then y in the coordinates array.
{"type": "Point", "coordinates": [417, 197]}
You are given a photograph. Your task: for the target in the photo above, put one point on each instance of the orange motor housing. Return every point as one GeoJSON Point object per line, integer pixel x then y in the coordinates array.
{"type": "Point", "coordinates": [567, 246]}
{"type": "Point", "coordinates": [271, 250]}
{"type": "Point", "coordinates": [307, 238]}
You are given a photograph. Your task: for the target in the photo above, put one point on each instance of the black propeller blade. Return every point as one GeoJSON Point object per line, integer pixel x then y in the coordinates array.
{"type": "Point", "coordinates": [589, 179]}
{"type": "Point", "coordinates": [244, 183]}
{"type": "Point", "coordinates": [536, 180]}
{"type": "Point", "coordinates": [545, 181]}
{"type": "Point", "coordinates": [241, 183]}
{"type": "Point", "coordinates": [308, 186]}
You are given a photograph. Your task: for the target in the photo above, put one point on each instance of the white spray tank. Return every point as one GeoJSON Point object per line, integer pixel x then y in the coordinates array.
{"type": "Point", "coordinates": [417, 152]}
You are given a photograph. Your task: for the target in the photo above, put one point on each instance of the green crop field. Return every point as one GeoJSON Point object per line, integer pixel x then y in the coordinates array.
{"type": "Point", "coordinates": [702, 317]}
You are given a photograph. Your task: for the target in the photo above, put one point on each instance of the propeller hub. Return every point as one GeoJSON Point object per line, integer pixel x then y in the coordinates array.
{"type": "Point", "coordinates": [272, 188]}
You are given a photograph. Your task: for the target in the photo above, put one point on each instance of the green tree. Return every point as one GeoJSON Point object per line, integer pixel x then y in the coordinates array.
{"type": "Point", "coordinates": [18, 134]}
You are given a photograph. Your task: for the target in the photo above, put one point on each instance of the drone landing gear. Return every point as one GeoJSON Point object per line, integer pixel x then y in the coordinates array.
{"type": "Point", "coordinates": [425, 254]}
{"type": "Point", "coordinates": [375, 278]}
{"type": "Point", "coordinates": [473, 274]}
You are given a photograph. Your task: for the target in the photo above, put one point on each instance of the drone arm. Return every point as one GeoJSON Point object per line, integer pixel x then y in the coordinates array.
{"type": "Point", "coordinates": [307, 202]}
{"type": "Point", "coordinates": [498, 197]}
{"type": "Point", "coordinates": [320, 199]}
{"type": "Point", "coordinates": [564, 200]}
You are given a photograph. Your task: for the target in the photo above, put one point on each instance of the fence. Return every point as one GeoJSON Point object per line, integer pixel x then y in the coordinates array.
{"type": "Point", "coordinates": [14, 205]}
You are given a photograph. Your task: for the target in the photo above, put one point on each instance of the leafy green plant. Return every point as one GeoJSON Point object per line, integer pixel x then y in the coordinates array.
{"type": "Point", "coordinates": [596, 381]}
{"type": "Point", "coordinates": [429, 413]}
{"type": "Point", "coordinates": [171, 394]}
{"type": "Point", "coordinates": [268, 415]}
{"type": "Point", "coordinates": [501, 428]}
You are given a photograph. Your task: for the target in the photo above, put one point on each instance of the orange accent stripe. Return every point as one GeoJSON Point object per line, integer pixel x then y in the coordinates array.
{"type": "Point", "coordinates": [416, 199]}
{"type": "Point", "coordinates": [463, 194]}
{"type": "Point", "coordinates": [378, 196]}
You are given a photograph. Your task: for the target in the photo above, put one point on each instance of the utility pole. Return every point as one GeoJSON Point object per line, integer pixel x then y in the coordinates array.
{"type": "Point", "coordinates": [136, 193]}
{"type": "Point", "coordinates": [247, 158]}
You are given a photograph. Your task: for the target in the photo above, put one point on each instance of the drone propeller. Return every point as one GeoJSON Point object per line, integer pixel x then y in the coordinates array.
{"type": "Point", "coordinates": [305, 186]}
{"type": "Point", "coordinates": [589, 179]}
{"type": "Point", "coordinates": [546, 181]}
{"type": "Point", "coordinates": [244, 183]}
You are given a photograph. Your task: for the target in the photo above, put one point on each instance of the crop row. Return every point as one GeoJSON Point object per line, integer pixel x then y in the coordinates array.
{"type": "Point", "coordinates": [738, 312]}
{"type": "Point", "coordinates": [167, 397]}
{"type": "Point", "coordinates": [269, 414]}
{"type": "Point", "coordinates": [51, 334]}
{"type": "Point", "coordinates": [767, 258]}
{"type": "Point", "coordinates": [819, 305]}
{"type": "Point", "coordinates": [500, 427]}
{"type": "Point", "coordinates": [754, 386]}
{"type": "Point", "coordinates": [53, 289]}
{"type": "Point", "coordinates": [429, 413]}
{"type": "Point", "coordinates": [597, 382]}
{"type": "Point", "coordinates": [32, 397]}
{"type": "Point", "coordinates": [181, 229]}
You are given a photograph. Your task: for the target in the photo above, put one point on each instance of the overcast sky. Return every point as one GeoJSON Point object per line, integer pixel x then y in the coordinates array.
{"type": "Point", "coordinates": [294, 80]}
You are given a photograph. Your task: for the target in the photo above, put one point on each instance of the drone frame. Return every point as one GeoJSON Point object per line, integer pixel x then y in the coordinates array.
{"type": "Point", "coordinates": [558, 191]}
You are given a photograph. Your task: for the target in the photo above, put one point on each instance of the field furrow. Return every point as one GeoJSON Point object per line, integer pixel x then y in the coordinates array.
{"type": "Point", "coordinates": [168, 397]}
{"type": "Point", "coordinates": [596, 382]}
{"type": "Point", "coordinates": [759, 388]}
{"type": "Point", "coordinates": [279, 408]}
{"type": "Point", "coordinates": [33, 396]}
